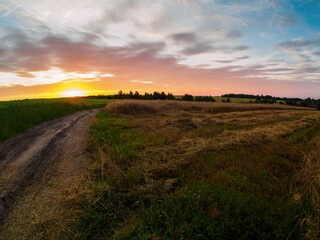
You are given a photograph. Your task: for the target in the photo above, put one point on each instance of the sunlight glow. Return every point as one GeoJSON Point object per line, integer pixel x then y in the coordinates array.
{"type": "Point", "coordinates": [74, 93]}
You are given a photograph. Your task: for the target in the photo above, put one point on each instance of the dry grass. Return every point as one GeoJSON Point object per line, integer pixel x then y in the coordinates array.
{"type": "Point", "coordinates": [146, 160]}
{"type": "Point", "coordinates": [189, 129]}
{"type": "Point", "coordinates": [7, 173]}
{"type": "Point", "coordinates": [50, 211]}
{"type": "Point", "coordinates": [132, 107]}
{"type": "Point", "coordinates": [309, 180]}
{"type": "Point", "coordinates": [241, 107]}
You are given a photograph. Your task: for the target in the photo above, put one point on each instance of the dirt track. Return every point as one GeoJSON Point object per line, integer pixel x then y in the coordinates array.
{"type": "Point", "coordinates": [51, 150]}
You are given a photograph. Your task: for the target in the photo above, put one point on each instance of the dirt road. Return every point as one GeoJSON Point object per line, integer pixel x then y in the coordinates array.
{"type": "Point", "coordinates": [51, 150]}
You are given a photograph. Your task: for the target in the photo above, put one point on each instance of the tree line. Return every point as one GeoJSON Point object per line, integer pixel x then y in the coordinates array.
{"type": "Point", "coordinates": [188, 97]}
{"type": "Point", "coordinates": [270, 99]}
{"type": "Point", "coordinates": [154, 96]}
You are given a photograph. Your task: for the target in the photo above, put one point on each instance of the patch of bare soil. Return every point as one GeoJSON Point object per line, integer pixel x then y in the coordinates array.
{"type": "Point", "coordinates": [49, 154]}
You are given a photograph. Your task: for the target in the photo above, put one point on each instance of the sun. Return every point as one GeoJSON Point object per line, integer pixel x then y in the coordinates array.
{"type": "Point", "coordinates": [73, 93]}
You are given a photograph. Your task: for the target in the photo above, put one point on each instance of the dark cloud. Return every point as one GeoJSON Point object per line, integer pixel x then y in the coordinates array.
{"type": "Point", "coordinates": [308, 69]}
{"type": "Point", "coordinates": [261, 67]}
{"type": "Point", "coordinates": [258, 66]}
{"type": "Point", "coordinates": [294, 44]}
{"type": "Point", "coordinates": [305, 58]}
{"type": "Point", "coordinates": [233, 35]}
{"type": "Point", "coordinates": [302, 49]}
{"type": "Point", "coordinates": [59, 51]}
{"type": "Point", "coordinates": [232, 60]}
{"type": "Point", "coordinates": [202, 65]}
{"type": "Point", "coordinates": [5, 67]}
{"type": "Point", "coordinates": [239, 48]}
{"type": "Point", "coordinates": [198, 48]}
{"type": "Point", "coordinates": [225, 61]}
{"type": "Point", "coordinates": [231, 49]}
{"type": "Point", "coordinates": [285, 21]}
{"type": "Point", "coordinates": [195, 46]}
{"type": "Point", "coordinates": [277, 70]}
{"type": "Point", "coordinates": [206, 47]}
{"type": "Point", "coordinates": [243, 57]}
{"type": "Point", "coordinates": [317, 53]}
{"type": "Point", "coordinates": [25, 74]}
{"type": "Point", "coordinates": [184, 37]}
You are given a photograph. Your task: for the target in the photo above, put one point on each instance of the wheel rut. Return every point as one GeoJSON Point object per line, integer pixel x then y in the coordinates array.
{"type": "Point", "coordinates": [46, 151]}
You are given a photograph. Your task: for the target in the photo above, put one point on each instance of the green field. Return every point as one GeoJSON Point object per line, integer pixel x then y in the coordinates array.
{"type": "Point", "coordinates": [95, 102]}
{"type": "Point", "coordinates": [18, 116]}
{"type": "Point", "coordinates": [236, 100]}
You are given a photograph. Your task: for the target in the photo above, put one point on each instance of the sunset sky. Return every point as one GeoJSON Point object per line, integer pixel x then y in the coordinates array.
{"type": "Point", "coordinates": [54, 48]}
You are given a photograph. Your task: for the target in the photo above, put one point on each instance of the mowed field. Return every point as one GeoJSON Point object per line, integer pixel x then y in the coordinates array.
{"type": "Point", "coordinates": [233, 100]}
{"type": "Point", "coordinates": [179, 170]}
{"type": "Point", "coordinates": [18, 116]}
{"type": "Point", "coordinates": [185, 170]}
{"type": "Point", "coordinates": [219, 99]}
{"type": "Point", "coordinates": [242, 100]}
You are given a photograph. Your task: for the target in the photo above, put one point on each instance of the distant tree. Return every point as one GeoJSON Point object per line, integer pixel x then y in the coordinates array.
{"type": "Point", "coordinates": [228, 100]}
{"type": "Point", "coordinates": [163, 96]}
{"type": "Point", "coordinates": [120, 95]}
{"type": "Point", "coordinates": [187, 97]}
{"type": "Point", "coordinates": [147, 96]}
{"type": "Point", "coordinates": [204, 99]}
{"type": "Point", "coordinates": [156, 95]}
{"type": "Point", "coordinates": [136, 95]}
{"type": "Point", "coordinates": [170, 96]}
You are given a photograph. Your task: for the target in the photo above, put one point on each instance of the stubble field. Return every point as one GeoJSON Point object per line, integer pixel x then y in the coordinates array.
{"type": "Point", "coordinates": [179, 170]}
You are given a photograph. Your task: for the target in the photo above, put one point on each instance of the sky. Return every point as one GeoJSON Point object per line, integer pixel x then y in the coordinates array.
{"type": "Point", "coordinates": [201, 47]}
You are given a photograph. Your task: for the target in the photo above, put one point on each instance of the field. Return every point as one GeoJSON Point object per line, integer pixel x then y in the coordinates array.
{"type": "Point", "coordinates": [18, 116]}
{"type": "Point", "coordinates": [234, 100]}
{"type": "Point", "coordinates": [203, 171]}
{"type": "Point", "coordinates": [185, 170]}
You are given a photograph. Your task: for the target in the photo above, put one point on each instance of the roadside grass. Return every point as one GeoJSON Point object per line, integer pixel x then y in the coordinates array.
{"type": "Point", "coordinates": [18, 116]}
{"type": "Point", "coordinates": [179, 171]}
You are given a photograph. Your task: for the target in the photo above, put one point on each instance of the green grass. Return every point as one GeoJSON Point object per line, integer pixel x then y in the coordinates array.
{"type": "Point", "coordinates": [94, 102]}
{"type": "Point", "coordinates": [107, 210]}
{"type": "Point", "coordinates": [228, 203]}
{"type": "Point", "coordinates": [18, 116]}
{"type": "Point", "coordinates": [244, 192]}
{"type": "Point", "coordinates": [186, 216]}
